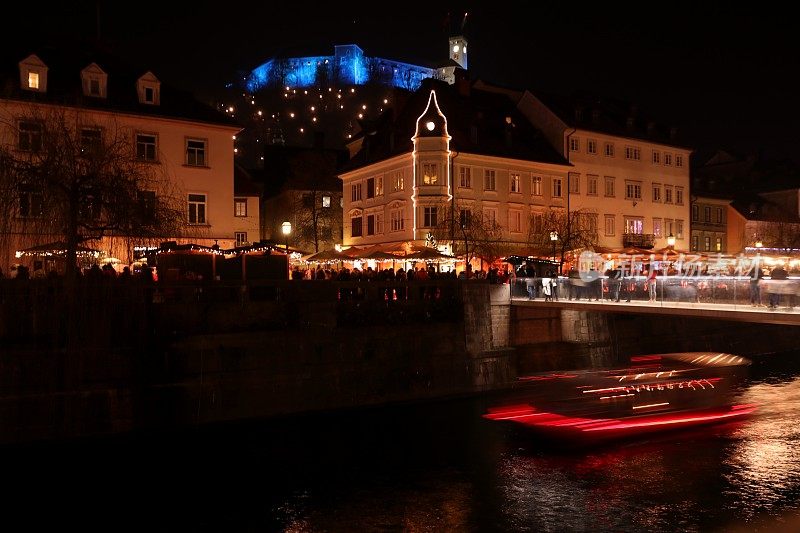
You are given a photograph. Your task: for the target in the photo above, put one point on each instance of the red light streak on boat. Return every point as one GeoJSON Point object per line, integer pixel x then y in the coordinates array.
{"type": "Point", "coordinates": [640, 358]}
{"type": "Point", "coordinates": [548, 378]}
{"type": "Point", "coordinates": [673, 419]}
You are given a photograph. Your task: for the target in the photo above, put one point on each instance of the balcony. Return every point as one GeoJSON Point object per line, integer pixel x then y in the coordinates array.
{"type": "Point", "coordinates": [640, 240]}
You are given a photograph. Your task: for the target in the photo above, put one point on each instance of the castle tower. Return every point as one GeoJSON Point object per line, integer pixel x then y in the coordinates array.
{"type": "Point", "coordinates": [458, 50]}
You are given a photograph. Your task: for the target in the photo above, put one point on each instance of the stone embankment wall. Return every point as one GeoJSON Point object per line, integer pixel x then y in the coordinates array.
{"type": "Point", "coordinates": [120, 358]}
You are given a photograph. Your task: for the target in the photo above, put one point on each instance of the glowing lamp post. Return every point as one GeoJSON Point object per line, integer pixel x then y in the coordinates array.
{"type": "Point", "coordinates": [671, 240]}
{"type": "Point", "coordinates": [553, 239]}
{"type": "Point", "coordinates": [286, 228]}
{"type": "Point", "coordinates": [759, 244]}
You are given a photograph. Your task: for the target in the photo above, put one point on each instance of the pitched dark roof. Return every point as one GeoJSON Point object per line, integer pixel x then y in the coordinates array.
{"type": "Point", "coordinates": [476, 121]}
{"type": "Point", "coordinates": [613, 116]}
{"type": "Point", "coordinates": [726, 172]}
{"type": "Point", "coordinates": [65, 64]}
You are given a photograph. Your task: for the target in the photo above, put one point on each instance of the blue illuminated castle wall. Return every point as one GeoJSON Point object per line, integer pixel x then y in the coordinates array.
{"type": "Point", "coordinates": [348, 65]}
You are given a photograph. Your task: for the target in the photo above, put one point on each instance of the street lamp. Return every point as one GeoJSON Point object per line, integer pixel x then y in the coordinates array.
{"type": "Point", "coordinates": [286, 228]}
{"type": "Point", "coordinates": [759, 244]}
{"type": "Point", "coordinates": [671, 240]}
{"type": "Point", "coordinates": [553, 239]}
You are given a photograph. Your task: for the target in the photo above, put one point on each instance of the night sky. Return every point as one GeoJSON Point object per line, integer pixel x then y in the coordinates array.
{"type": "Point", "coordinates": [724, 75]}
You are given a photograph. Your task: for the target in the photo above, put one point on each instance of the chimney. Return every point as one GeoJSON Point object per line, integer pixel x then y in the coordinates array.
{"type": "Point", "coordinates": [673, 133]}
{"type": "Point", "coordinates": [508, 131]}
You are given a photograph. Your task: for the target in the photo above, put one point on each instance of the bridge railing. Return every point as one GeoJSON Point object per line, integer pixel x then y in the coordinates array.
{"type": "Point", "coordinates": [730, 290]}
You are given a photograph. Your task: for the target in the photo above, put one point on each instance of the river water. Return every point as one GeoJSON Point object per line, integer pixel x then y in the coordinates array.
{"type": "Point", "coordinates": [434, 467]}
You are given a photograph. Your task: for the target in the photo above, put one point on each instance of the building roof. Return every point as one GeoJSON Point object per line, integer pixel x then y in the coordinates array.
{"type": "Point", "coordinates": [613, 116]}
{"type": "Point", "coordinates": [479, 122]}
{"type": "Point", "coordinates": [65, 64]}
{"type": "Point", "coordinates": [728, 173]}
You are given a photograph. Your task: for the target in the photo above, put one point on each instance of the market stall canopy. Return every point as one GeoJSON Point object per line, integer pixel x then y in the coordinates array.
{"type": "Point", "coordinates": [56, 248]}
{"type": "Point", "coordinates": [379, 255]}
{"type": "Point", "coordinates": [672, 252]}
{"type": "Point", "coordinates": [325, 256]}
{"type": "Point", "coordinates": [428, 253]}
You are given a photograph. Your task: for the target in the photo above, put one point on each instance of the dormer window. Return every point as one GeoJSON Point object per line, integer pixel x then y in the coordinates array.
{"type": "Point", "coordinates": [149, 89]}
{"type": "Point", "coordinates": [94, 80]}
{"type": "Point", "coordinates": [33, 74]}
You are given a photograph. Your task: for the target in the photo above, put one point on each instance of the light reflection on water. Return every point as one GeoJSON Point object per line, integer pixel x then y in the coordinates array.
{"type": "Point", "coordinates": [435, 468]}
{"type": "Point", "coordinates": [764, 458]}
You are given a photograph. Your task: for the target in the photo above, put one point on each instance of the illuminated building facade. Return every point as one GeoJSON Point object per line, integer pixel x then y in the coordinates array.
{"type": "Point", "coordinates": [189, 144]}
{"type": "Point", "coordinates": [350, 66]}
{"type": "Point", "coordinates": [627, 169]}
{"type": "Point", "coordinates": [450, 146]}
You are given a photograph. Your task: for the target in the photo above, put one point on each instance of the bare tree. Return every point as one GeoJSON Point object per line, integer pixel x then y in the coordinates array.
{"type": "Point", "coordinates": [472, 234]}
{"type": "Point", "coordinates": [72, 179]}
{"type": "Point", "coordinates": [559, 231]}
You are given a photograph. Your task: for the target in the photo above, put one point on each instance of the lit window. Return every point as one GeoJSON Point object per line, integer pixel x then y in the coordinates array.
{"type": "Point", "coordinates": [514, 181]}
{"type": "Point", "coordinates": [326, 201]}
{"type": "Point", "coordinates": [240, 207]}
{"type": "Point", "coordinates": [33, 80]}
{"type": "Point", "coordinates": [197, 209]}
{"type": "Point", "coordinates": [241, 238]}
{"type": "Point", "coordinates": [429, 173]}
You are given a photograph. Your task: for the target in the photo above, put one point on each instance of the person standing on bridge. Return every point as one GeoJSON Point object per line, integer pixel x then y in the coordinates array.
{"type": "Point", "coordinates": [755, 289]}
{"type": "Point", "coordinates": [651, 283]}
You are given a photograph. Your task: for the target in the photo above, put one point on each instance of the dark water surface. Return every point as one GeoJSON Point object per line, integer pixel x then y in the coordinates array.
{"type": "Point", "coordinates": [437, 467]}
